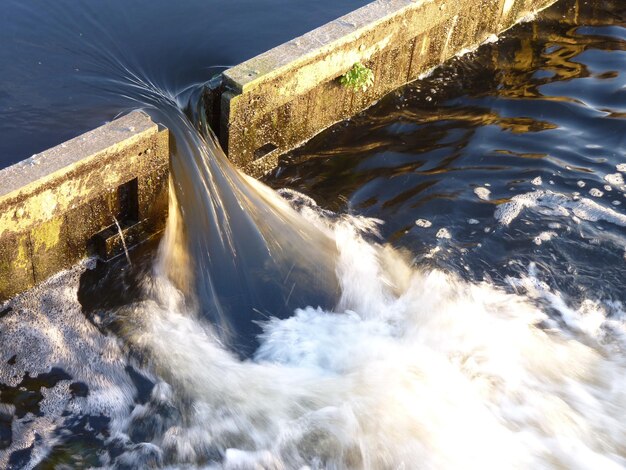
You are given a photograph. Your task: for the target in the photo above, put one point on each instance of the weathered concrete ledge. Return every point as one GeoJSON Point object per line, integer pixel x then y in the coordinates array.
{"type": "Point", "coordinates": [74, 200]}
{"type": "Point", "coordinates": [278, 100]}
{"type": "Point", "coordinates": [64, 204]}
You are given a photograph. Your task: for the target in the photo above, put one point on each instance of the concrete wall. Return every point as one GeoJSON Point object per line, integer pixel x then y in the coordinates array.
{"type": "Point", "coordinates": [59, 206]}
{"type": "Point", "coordinates": [62, 205]}
{"type": "Point", "coordinates": [278, 100]}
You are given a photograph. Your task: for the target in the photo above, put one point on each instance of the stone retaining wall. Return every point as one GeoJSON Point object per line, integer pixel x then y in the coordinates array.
{"type": "Point", "coordinates": [62, 205]}
{"type": "Point", "coordinates": [278, 100]}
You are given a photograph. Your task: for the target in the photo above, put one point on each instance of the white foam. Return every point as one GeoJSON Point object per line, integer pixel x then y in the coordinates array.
{"type": "Point", "coordinates": [412, 366]}
{"type": "Point", "coordinates": [47, 328]}
{"type": "Point", "coordinates": [615, 179]}
{"type": "Point", "coordinates": [595, 192]}
{"type": "Point", "coordinates": [415, 366]}
{"type": "Point", "coordinates": [492, 38]}
{"type": "Point", "coordinates": [423, 223]}
{"type": "Point", "coordinates": [537, 181]}
{"type": "Point", "coordinates": [557, 204]}
{"type": "Point", "coordinates": [482, 193]}
{"type": "Point", "coordinates": [443, 233]}
{"type": "Point", "coordinates": [544, 237]}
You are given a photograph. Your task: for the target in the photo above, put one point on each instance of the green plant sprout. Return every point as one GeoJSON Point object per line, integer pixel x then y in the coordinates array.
{"type": "Point", "coordinates": [359, 77]}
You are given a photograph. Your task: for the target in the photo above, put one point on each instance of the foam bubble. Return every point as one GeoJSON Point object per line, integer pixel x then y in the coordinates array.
{"type": "Point", "coordinates": [443, 233]}
{"type": "Point", "coordinates": [423, 223]}
{"type": "Point", "coordinates": [482, 193]}
{"type": "Point", "coordinates": [544, 237]}
{"type": "Point", "coordinates": [615, 179]}
{"type": "Point", "coordinates": [492, 38]}
{"type": "Point", "coordinates": [556, 204]}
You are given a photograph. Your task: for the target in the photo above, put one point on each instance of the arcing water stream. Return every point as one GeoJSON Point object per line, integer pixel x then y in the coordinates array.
{"type": "Point", "coordinates": [273, 333]}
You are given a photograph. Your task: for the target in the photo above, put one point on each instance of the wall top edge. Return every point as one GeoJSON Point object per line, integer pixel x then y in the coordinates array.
{"type": "Point", "coordinates": [316, 42]}
{"type": "Point", "coordinates": [62, 158]}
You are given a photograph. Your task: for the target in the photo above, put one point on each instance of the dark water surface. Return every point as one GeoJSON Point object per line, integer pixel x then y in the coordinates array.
{"type": "Point", "coordinates": [481, 321]}
{"type": "Point", "coordinates": [541, 110]}
{"type": "Point", "coordinates": [50, 56]}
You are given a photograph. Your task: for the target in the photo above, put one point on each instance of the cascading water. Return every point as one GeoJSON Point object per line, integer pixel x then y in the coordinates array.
{"type": "Point", "coordinates": [247, 254]}
{"type": "Point", "coordinates": [272, 333]}
{"type": "Point", "coordinates": [411, 366]}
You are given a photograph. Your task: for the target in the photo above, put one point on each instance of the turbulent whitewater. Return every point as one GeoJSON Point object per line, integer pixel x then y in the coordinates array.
{"type": "Point", "coordinates": [410, 367]}
{"type": "Point", "coordinates": [413, 368]}
{"type": "Point", "coordinates": [452, 297]}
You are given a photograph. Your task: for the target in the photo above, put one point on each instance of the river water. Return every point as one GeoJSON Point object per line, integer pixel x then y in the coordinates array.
{"type": "Point", "coordinates": [436, 284]}
{"type": "Point", "coordinates": [52, 51]}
